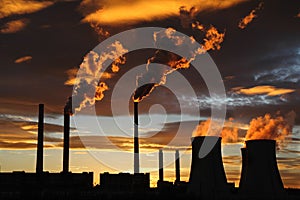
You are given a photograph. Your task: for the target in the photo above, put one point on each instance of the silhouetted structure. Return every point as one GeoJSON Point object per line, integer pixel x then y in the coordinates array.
{"type": "Point", "coordinates": [40, 143]}
{"type": "Point", "coordinates": [207, 175]}
{"type": "Point", "coordinates": [260, 174]}
{"type": "Point", "coordinates": [161, 165]}
{"type": "Point", "coordinates": [177, 166]}
{"type": "Point", "coordinates": [136, 139]}
{"type": "Point", "coordinates": [67, 114]}
{"type": "Point", "coordinates": [125, 182]}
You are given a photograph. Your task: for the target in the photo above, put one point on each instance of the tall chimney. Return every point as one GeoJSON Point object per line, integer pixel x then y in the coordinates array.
{"type": "Point", "coordinates": [66, 140]}
{"type": "Point", "coordinates": [161, 165]}
{"type": "Point", "coordinates": [261, 174]}
{"type": "Point", "coordinates": [136, 140]}
{"type": "Point", "coordinates": [39, 156]}
{"type": "Point", "coordinates": [207, 175]}
{"type": "Point", "coordinates": [177, 166]}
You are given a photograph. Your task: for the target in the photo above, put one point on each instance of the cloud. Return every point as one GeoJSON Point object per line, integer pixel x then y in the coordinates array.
{"type": "Point", "coordinates": [120, 12]}
{"type": "Point", "coordinates": [281, 74]}
{"type": "Point", "coordinates": [249, 18]}
{"type": "Point", "coordinates": [23, 59]}
{"type": "Point", "coordinates": [17, 7]}
{"type": "Point", "coordinates": [232, 100]}
{"type": "Point", "coordinates": [263, 89]}
{"type": "Point", "coordinates": [14, 26]}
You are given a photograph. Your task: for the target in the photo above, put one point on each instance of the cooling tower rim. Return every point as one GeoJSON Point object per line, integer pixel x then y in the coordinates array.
{"type": "Point", "coordinates": [264, 141]}
{"type": "Point", "coordinates": [203, 137]}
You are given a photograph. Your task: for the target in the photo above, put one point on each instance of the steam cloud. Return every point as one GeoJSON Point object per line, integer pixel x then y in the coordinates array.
{"type": "Point", "coordinates": [229, 133]}
{"type": "Point", "coordinates": [249, 18]}
{"type": "Point", "coordinates": [273, 128]}
{"type": "Point", "coordinates": [88, 89]}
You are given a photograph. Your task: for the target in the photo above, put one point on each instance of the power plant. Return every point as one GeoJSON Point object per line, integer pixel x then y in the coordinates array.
{"type": "Point", "coordinates": [260, 176]}
{"type": "Point", "coordinates": [207, 175]}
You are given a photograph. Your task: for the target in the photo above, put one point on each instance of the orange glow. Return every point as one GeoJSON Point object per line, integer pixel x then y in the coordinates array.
{"type": "Point", "coordinates": [14, 26]}
{"type": "Point", "coordinates": [228, 134]}
{"type": "Point", "coordinates": [99, 91]}
{"type": "Point", "coordinates": [114, 13]}
{"type": "Point", "coordinates": [263, 89]}
{"type": "Point", "coordinates": [198, 26]}
{"type": "Point", "coordinates": [267, 127]}
{"type": "Point", "coordinates": [249, 18]}
{"type": "Point", "coordinates": [213, 39]}
{"type": "Point", "coordinates": [17, 7]}
{"type": "Point", "coordinates": [23, 59]}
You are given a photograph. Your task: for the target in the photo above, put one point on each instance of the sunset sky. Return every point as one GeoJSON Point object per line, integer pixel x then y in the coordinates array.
{"type": "Point", "coordinates": [254, 44]}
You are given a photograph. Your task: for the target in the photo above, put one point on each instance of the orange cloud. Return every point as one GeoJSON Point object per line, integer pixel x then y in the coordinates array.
{"type": "Point", "coordinates": [23, 59]}
{"type": "Point", "coordinates": [263, 89]}
{"type": "Point", "coordinates": [17, 7]}
{"type": "Point", "coordinates": [117, 12]}
{"type": "Point", "coordinates": [249, 18]}
{"type": "Point", "coordinates": [229, 134]}
{"type": "Point", "coordinates": [14, 26]}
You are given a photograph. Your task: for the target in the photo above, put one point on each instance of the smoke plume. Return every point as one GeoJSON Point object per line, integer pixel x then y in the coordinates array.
{"type": "Point", "coordinates": [268, 127]}
{"type": "Point", "coordinates": [154, 76]}
{"type": "Point", "coordinates": [88, 89]}
{"type": "Point", "coordinates": [249, 18]}
{"type": "Point", "coordinates": [229, 133]}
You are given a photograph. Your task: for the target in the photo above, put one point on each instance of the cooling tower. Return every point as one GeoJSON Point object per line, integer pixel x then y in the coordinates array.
{"type": "Point", "coordinates": [244, 168]}
{"type": "Point", "coordinates": [207, 175]}
{"type": "Point", "coordinates": [260, 174]}
{"type": "Point", "coordinates": [39, 154]}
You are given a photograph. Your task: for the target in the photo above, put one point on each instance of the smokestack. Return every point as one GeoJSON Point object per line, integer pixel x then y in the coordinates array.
{"type": "Point", "coordinates": [161, 165]}
{"type": "Point", "coordinates": [136, 140]}
{"type": "Point", "coordinates": [261, 174]}
{"type": "Point", "coordinates": [177, 166]}
{"type": "Point", "coordinates": [39, 156]}
{"type": "Point", "coordinates": [67, 112]}
{"type": "Point", "coordinates": [207, 176]}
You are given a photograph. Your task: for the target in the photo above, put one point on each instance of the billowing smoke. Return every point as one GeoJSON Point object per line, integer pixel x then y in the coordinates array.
{"type": "Point", "coordinates": [88, 89]}
{"type": "Point", "coordinates": [273, 128]}
{"type": "Point", "coordinates": [249, 18]}
{"type": "Point", "coordinates": [154, 76]}
{"type": "Point", "coordinates": [229, 133]}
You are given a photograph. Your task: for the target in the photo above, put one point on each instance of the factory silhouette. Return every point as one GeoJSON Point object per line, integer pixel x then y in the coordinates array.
{"type": "Point", "coordinates": [260, 177]}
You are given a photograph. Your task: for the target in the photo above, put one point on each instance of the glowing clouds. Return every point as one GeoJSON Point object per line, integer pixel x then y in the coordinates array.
{"type": "Point", "coordinates": [213, 39]}
{"type": "Point", "coordinates": [14, 26]}
{"type": "Point", "coordinates": [17, 7]}
{"type": "Point", "coordinates": [267, 127]}
{"type": "Point", "coordinates": [23, 59]}
{"type": "Point", "coordinates": [263, 90]}
{"type": "Point", "coordinates": [119, 12]}
{"type": "Point", "coordinates": [249, 18]}
{"type": "Point", "coordinates": [88, 89]}
{"type": "Point", "coordinates": [229, 134]}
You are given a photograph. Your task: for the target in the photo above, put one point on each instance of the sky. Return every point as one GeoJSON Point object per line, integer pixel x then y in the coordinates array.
{"type": "Point", "coordinates": [44, 45]}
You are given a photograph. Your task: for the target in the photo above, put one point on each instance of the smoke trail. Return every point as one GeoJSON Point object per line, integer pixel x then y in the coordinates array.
{"type": "Point", "coordinates": [249, 18]}
{"type": "Point", "coordinates": [87, 89]}
{"type": "Point", "coordinates": [154, 76]}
